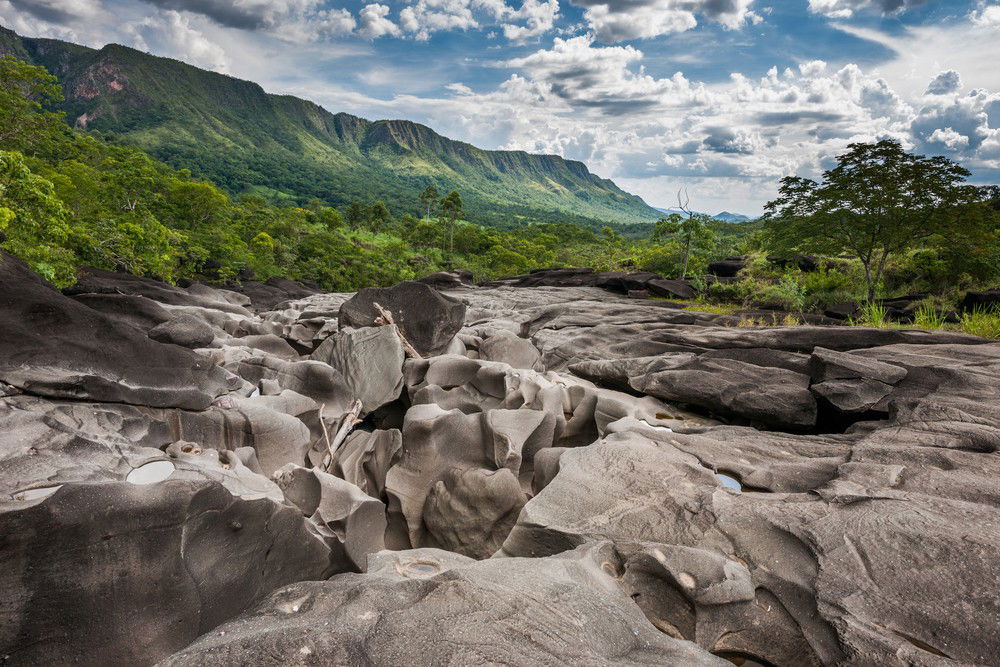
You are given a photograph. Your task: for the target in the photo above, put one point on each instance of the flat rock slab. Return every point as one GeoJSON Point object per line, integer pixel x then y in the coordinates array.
{"type": "Point", "coordinates": [427, 607]}
{"type": "Point", "coordinates": [54, 346]}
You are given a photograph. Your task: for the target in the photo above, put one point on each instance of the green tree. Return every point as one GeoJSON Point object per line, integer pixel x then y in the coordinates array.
{"type": "Point", "coordinates": [877, 202]}
{"type": "Point", "coordinates": [25, 90]}
{"type": "Point", "coordinates": [355, 215]}
{"type": "Point", "coordinates": [429, 198]}
{"type": "Point", "coordinates": [451, 209]}
{"type": "Point", "coordinates": [33, 221]}
{"type": "Point", "coordinates": [378, 216]}
{"type": "Point", "coordinates": [690, 233]}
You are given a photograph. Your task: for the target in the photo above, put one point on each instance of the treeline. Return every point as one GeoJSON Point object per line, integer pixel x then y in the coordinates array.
{"type": "Point", "coordinates": [69, 199]}
{"type": "Point", "coordinates": [887, 222]}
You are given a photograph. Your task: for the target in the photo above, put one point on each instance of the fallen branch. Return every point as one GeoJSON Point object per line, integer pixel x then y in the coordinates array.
{"type": "Point", "coordinates": [348, 421]}
{"type": "Point", "coordinates": [385, 318]}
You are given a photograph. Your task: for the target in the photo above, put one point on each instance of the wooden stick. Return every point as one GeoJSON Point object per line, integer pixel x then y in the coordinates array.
{"type": "Point", "coordinates": [385, 318]}
{"type": "Point", "coordinates": [348, 421]}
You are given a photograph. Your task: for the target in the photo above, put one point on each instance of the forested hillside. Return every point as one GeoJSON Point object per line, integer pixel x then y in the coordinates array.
{"type": "Point", "coordinates": [245, 140]}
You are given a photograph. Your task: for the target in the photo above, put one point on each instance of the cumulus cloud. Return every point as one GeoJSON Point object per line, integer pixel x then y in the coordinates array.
{"type": "Point", "coordinates": [988, 17]}
{"type": "Point", "coordinates": [374, 22]}
{"type": "Point", "coordinates": [538, 18]}
{"type": "Point", "coordinates": [842, 9]}
{"type": "Point", "coordinates": [945, 83]}
{"type": "Point", "coordinates": [428, 16]}
{"type": "Point", "coordinates": [622, 20]}
{"type": "Point", "coordinates": [172, 34]}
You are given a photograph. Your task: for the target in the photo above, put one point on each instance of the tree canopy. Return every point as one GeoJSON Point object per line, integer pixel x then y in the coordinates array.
{"type": "Point", "coordinates": [877, 202]}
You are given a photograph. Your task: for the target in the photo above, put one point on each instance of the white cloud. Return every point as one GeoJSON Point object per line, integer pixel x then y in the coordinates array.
{"type": "Point", "coordinates": [945, 83]}
{"type": "Point", "coordinates": [622, 20]}
{"type": "Point", "coordinates": [374, 22]}
{"type": "Point", "coordinates": [538, 17]}
{"type": "Point", "coordinates": [172, 34]}
{"type": "Point", "coordinates": [842, 9]}
{"type": "Point", "coordinates": [988, 17]}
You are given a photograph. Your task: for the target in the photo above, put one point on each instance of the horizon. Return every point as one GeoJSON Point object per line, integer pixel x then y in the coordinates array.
{"type": "Point", "coordinates": [720, 98]}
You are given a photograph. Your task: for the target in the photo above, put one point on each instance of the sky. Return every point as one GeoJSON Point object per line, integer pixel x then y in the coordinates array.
{"type": "Point", "coordinates": [721, 98]}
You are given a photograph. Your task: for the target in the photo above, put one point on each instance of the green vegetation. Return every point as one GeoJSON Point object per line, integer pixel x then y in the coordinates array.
{"type": "Point", "coordinates": [286, 149]}
{"type": "Point", "coordinates": [878, 202]}
{"type": "Point", "coordinates": [70, 197]}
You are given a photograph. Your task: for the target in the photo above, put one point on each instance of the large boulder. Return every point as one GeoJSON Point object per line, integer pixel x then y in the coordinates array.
{"type": "Point", "coordinates": [428, 318]}
{"type": "Point", "coordinates": [116, 554]}
{"type": "Point", "coordinates": [98, 281]}
{"type": "Point", "coordinates": [369, 361]}
{"type": "Point", "coordinates": [765, 395]}
{"type": "Point", "coordinates": [54, 346]}
{"type": "Point", "coordinates": [428, 607]}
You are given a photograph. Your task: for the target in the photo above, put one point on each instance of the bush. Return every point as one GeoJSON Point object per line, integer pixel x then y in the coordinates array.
{"type": "Point", "coordinates": [983, 322]}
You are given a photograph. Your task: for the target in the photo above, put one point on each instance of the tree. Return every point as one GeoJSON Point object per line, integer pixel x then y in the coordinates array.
{"type": "Point", "coordinates": [355, 215]}
{"type": "Point", "coordinates": [429, 198]}
{"type": "Point", "coordinates": [33, 221]}
{"type": "Point", "coordinates": [689, 231]}
{"type": "Point", "coordinates": [451, 208]}
{"type": "Point", "coordinates": [25, 90]}
{"type": "Point", "coordinates": [378, 216]}
{"type": "Point", "coordinates": [877, 202]}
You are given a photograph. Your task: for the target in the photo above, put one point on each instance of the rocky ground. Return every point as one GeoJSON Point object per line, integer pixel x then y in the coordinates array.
{"type": "Point", "coordinates": [548, 475]}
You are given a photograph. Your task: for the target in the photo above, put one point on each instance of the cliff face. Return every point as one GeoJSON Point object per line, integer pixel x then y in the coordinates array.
{"type": "Point", "coordinates": [245, 139]}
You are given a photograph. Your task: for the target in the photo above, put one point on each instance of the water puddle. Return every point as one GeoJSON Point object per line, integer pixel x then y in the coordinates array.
{"type": "Point", "coordinates": [729, 482]}
{"type": "Point", "coordinates": [151, 473]}
{"type": "Point", "coordinates": [37, 494]}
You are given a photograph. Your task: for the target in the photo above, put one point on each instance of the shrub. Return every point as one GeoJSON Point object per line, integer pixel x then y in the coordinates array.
{"type": "Point", "coordinates": [983, 322]}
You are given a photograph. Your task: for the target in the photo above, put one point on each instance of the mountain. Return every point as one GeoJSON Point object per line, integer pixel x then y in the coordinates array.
{"type": "Point", "coordinates": [725, 216]}
{"type": "Point", "coordinates": [735, 218]}
{"type": "Point", "coordinates": [246, 140]}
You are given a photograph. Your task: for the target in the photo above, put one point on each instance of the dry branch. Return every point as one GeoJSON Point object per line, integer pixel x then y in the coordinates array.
{"type": "Point", "coordinates": [347, 423]}
{"type": "Point", "coordinates": [385, 318]}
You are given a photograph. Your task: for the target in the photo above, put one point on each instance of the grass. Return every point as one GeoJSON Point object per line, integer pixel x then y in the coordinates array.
{"type": "Point", "coordinates": [929, 317]}
{"type": "Point", "coordinates": [983, 322]}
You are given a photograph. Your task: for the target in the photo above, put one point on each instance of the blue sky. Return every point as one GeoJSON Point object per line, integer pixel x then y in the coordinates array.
{"type": "Point", "coordinates": [721, 97]}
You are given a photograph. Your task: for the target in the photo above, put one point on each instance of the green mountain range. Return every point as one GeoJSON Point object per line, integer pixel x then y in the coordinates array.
{"type": "Point", "coordinates": [246, 140]}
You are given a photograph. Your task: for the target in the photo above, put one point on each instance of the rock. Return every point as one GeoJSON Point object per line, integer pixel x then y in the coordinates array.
{"type": "Point", "coordinates": [365, 459]}
{"type": "Point", "coordinates": [727, 268]}
{"type": "Point", "coordinates": [351, 521]}
{"type": "Point", "coordinates": [184, 330]}
{"type": "Point", "coordinates": [435, 442]}
{"type": "Point", "coordinates": [827, 364]}
{"type": "Point", "coordinates": [510, 349]}
{"type": "Point", "coordinates": [470, 511]}
{"type": "Point", "coordinates": [88, 512]}
{"type": "Point", "coordinates": [54, 346]}
{"type": "Point", "coordinates": [772, 396]}
{"type": "Point", "coordinates": [140, 312]}
{"type": "Point", "coordinates": [97, 281]}
{"type": "Point", "coordinates": [853, 395]}
{"type": "Point", "coordinates": [268, 295]}
{"type": "Point", "coordinates": [448, 280]}
{"type": "Point", "coordinates": [428, 318]}
{"type": "Point", "coordinates": [369, 361]}
{"type": "Point", "coordinates": [986, 300]}
{"type": "Point", "coordinates": [844, 310]}
{"type": "Point", "coordinates": [456, 611]}
{"type": "Point", "coordinates": [672, 289]}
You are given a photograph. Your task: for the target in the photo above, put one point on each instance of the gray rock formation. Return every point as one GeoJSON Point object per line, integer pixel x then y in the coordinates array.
{"type": "Point", "coordinates": [567, 476]}
{"type": "Point", "coordinates": [427, 607]}
{"type": "Point", "coordinates": [428, 318]}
